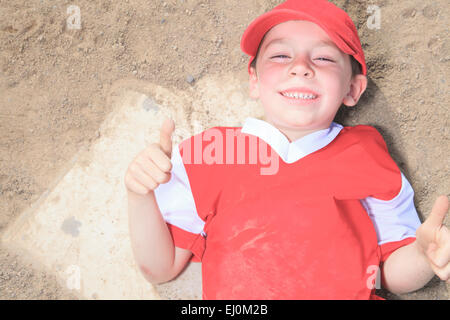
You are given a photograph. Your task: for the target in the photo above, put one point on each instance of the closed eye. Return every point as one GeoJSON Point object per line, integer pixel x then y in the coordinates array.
{"type": "Point", "coordinates": [324, 59]}
{"type": "Point", "coordinates": [284, 56]}
{"type": "Point", "coordinates": [281, 55]}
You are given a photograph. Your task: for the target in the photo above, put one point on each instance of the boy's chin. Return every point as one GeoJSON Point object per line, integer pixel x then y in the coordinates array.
{"type": "Point", "coordinates": [294, 124]}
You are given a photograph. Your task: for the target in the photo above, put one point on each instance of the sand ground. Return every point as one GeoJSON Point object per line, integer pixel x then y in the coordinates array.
{"type": "Point", "coordinates": [54, 82]}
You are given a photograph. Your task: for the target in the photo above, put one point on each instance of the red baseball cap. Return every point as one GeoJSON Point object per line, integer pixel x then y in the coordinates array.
{"type": "Point", "coordinates": [333, 20]}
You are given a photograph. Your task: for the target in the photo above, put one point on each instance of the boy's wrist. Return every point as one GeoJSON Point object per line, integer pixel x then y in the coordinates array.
{"type": "Point", "coordinates": [138, 197]}
{"type": "Point", "coordinates": [422, 256]}
{"type": "Point", "coordinates": [416, 245]}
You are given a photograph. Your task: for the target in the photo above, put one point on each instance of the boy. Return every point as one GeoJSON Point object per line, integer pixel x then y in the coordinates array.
{"type": "Point", "coordinates": [335, 208]}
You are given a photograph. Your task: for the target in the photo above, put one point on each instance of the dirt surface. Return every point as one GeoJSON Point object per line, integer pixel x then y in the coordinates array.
{"type": "Point", "coordinates": [55, 81]}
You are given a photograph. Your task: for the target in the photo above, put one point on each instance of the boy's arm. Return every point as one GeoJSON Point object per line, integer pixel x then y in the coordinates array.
{"type": "Point", "coordinates": [406, 269]}
{"type": "Point", "coordinates": [410, 267]}
{"type": "Point", "coordinates": [153, 248]}
{"type": "Point", "coordinates": [152, 245]}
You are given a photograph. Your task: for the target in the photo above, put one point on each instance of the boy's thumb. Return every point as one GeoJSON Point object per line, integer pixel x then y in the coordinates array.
{"type": "Point", "coordinates": [165, 136]}
{"type": "Point", "coordinates": [438, 212]}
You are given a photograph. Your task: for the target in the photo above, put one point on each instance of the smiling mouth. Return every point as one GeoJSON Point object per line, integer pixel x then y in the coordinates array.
{"type": "Point", "coordinates": [299, 95]}
{"type": "Point", "coordinates": [299, 98]}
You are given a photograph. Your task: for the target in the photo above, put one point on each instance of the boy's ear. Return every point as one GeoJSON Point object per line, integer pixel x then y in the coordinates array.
{"type": "Point", "coordinates": [253, 84]}
{"type": "Point", "coordinates": [358, 85]}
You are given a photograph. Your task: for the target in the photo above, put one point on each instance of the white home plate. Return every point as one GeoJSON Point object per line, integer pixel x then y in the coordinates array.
{"type": "Point", "coordinates": [79, 229]}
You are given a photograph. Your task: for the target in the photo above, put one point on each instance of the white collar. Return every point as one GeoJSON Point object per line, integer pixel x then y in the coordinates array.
{"type": "Point", "coordinates": [295, 150]}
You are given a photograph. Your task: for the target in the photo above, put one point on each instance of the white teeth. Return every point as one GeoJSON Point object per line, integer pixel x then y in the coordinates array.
{"type": "Point", "coordinates": [299, 95]}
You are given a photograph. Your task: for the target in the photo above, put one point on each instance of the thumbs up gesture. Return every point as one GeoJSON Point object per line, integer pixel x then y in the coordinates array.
{"type": "Point", "coordinates": [434, 239]}
{"type": "Point", "coordinates": [152, 166]}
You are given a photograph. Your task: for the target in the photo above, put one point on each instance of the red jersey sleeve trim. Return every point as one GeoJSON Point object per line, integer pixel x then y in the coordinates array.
{"type": "Point", "coordinates": [376, 148]}
{"type": "Point", "coordinates": [373, 296]}
{"type": "Point", "coordinates": [189, 241]}
{"type": "Point", "coordinates": [388, 248]}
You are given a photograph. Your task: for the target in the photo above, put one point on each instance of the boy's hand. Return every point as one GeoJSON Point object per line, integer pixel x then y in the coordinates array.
{"type": "Point", "coordinates": [152, 166]}
{"type": "Point", "coordinates": [434, 239]}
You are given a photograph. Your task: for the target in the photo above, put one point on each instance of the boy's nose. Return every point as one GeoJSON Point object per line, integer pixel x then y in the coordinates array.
{"type": "Point", "coordinates": [300, 66]}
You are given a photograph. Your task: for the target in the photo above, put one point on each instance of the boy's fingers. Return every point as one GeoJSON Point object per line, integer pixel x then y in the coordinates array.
{"type": "Point", "coordinates": [160, 158]}
{"type": "Point", "coordinates": [137, 185]}
{"type": "Point", "coordinates": [165, 137]}
{"type": "Point", "coordinates": [152, 170]}
{"type": "Point", "coordinates": [443, 273]}
{"type": "Point", "coordinates": [440, 254]}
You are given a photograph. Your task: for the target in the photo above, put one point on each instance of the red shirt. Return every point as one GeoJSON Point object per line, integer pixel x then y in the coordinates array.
{"type": "Point", "coordinates": [301, 233]}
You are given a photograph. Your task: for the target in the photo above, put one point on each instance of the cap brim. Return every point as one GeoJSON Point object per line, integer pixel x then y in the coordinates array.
{"type": "Point", "coordinates": [254, 33]}
{"type": "Point", "coordinates": [260, 26]}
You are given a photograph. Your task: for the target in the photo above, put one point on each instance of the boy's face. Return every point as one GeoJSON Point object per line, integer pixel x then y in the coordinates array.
{"type": "Point", "coordinates": [298, 60]}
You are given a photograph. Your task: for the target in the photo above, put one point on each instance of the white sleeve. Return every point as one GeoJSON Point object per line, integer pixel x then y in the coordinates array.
{"type": "Point", "coordinates": [175, 199]}
{"type": "Point", "coordinates": [395, 219]}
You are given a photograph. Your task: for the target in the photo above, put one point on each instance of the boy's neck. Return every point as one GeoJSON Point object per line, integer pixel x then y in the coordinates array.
{"type": "Point", "coordinates": [294, 134]}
